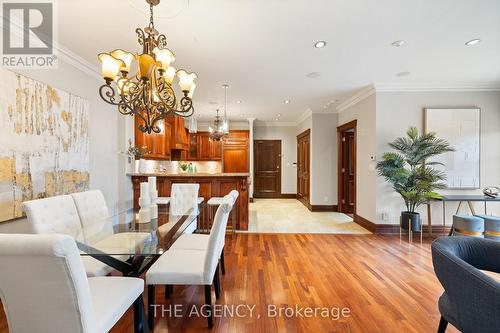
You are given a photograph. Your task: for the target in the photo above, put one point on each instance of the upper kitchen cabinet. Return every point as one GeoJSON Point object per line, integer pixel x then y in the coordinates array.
{"type": "Point", "coordinates": [236, 151]}
{"type": "Point", "coordinates": [158, 144]}
{"type": "Point", "coordinates": [201, 148]}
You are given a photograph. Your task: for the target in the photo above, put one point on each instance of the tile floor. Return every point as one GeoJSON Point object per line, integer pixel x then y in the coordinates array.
{"type": "Point", "coordinates": [291, 216]}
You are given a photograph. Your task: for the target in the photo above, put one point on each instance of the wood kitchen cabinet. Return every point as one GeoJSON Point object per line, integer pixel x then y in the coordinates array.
{"type": "Point", "coordinates": [158, 144]}
{"type": "Point", "coordinates": [201, 148]}
{"type": "Point", "coordinates": [236, 151]}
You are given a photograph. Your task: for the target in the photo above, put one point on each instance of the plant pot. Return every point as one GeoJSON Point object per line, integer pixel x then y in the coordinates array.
{"type": "Point", "coordinates": [410, 218]}
{"type": "Point", "coordinates": [142, 166]}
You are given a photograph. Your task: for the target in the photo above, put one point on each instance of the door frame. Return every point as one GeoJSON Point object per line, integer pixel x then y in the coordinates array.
{"type": "Point", "coordinates": [279, 193]}
{"type": "Point", "coordinates": [307, 203]}
{"type": "Point", "coordinates": [340, 129]}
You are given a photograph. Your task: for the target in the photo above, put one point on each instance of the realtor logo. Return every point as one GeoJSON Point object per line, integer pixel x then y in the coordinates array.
{"type": "Point", "coordinates": [28, 34]}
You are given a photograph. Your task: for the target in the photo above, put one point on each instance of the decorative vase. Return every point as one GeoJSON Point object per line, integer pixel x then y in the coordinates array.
{"type": "Point", "coordinates": [142, 166]}
{"type": "Point", "coordinates": [413, 219]}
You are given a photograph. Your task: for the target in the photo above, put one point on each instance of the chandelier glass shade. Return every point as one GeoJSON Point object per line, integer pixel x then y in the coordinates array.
{"type": "Point", "coordinates": [216, 129]}
{"type": "Point", "coordinates": [142, 84]}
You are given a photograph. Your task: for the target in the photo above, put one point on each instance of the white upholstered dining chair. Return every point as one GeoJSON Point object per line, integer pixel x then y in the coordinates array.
{"type": "Point", "coordinates": [97, 230]}
{"type": "Point", "coordinates": [58, 215]}
{"type": "Point", "coordinates": [191, 267]}
{"type": "Point", "coordinates": [200, 241]}
{"type": "Point", "coordinates": [184, 197]}
{"type": "Point", "coordinates": [44, 289]}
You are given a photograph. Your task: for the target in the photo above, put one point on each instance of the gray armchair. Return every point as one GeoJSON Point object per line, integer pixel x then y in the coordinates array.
{"type": "Point", "coordinates": [471, 299]}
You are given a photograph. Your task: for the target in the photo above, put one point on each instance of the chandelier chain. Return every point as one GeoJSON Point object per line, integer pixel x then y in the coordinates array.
{"type": "Point", "coordinates": [151, 23]}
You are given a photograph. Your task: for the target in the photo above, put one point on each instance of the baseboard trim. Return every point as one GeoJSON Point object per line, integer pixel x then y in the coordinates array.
{"type": "Point", "coordinates": [323, 208]}
{"type": "Point", "coordinates": [251, 199]}
{"type": "Point", "coordinates": [367, 224]}
{"type": "Point", "coordinates": [288, 196]}
{"type": "Point", "coordinates": [393, 229]}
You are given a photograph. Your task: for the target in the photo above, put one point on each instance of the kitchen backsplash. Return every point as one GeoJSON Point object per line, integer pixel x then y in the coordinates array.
{"type": "Point", "coordinates": [173, 166]}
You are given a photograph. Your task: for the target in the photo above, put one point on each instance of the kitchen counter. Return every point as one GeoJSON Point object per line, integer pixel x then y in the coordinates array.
{"type": "Point", "coordinates": [195, 174]}
{"type": "Point", "coordinates": [211, 185]}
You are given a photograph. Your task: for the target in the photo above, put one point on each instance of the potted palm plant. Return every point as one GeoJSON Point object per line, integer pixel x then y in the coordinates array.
{"type": "Point", "coordinates": [411, 174]}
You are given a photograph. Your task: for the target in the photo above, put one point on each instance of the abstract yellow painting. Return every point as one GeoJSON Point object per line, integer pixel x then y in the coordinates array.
{"type": "Point", "coordinates": [44, 142]}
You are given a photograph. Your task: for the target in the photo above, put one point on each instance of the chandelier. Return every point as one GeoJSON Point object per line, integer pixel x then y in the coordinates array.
{"type": "Point", "coordinates": [149, 93]}
{"type": "Point", "coordinates": [216, 129]}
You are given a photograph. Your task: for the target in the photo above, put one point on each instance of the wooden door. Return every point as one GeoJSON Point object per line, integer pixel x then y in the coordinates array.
{"type": "Point", "coordinates": [303, 167]}
{"type": "Point", "coordinates": [347, 168]}
{"type": "Point", "coordinates": [267, 168]}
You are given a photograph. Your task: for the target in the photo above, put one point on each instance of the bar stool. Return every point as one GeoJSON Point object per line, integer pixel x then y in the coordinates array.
{"type": "Point", "coordinates": [491, 227]}
{"type": "Point", "coordinates": [468, 225]}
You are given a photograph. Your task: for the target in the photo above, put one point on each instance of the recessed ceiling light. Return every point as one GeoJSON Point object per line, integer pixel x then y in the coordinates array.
{"type": "Point", "coordinates": [279, 114]}
{"type": "Point", "coordinates": [312, 75]}
{"type": "Point", "coordinates": [473, 42]}
{"type": "Point", "coordinates": [400, 74]}
{"type": "Point", "coordinates": [286, 101]}
{"type": "Point", "coordinates": [398, 43]}
{"type": "Point", "coordinates": [238, 102]}
{"type": "Point", "coordinates": [276, 119]}
{"type": "Point", "coordinates": [320, 44]}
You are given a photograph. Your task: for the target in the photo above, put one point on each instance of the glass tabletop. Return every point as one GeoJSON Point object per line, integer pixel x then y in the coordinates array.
{"type": "Point", "coordinates": [123, 236]}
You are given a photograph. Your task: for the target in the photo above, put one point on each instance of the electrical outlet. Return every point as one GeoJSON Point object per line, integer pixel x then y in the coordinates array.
{"type": "Point", "coordinates": [385, 216]}
{"type": "Point", "coordinates": [325, 199]}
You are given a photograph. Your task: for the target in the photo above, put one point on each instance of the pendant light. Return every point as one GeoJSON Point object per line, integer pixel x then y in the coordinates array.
{"type": "Point", "coordinates": [225, 123]}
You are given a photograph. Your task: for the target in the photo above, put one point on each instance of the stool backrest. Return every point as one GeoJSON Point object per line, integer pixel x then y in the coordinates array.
{"type": "Point", "coordinates": [54, 215]}
{"type": "Point", "coordinates": [43, 286]}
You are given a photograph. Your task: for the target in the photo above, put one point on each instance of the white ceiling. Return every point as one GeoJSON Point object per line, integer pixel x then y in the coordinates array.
{"type": "Point", "coordinates": [264, 48]}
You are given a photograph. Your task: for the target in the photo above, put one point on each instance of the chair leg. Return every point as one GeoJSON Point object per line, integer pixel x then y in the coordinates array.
{"type": "Point", "coordinates": [139, 326]}
{"type": "Point", "coordinates": [208, 303]}
{"type": "Point", "coordinates": [151, 302]}
{"type": "Point", "coordinates": [222, 265]}
{"type": "Point", "coordinates": [217, 283]}
{"type": "Point", "coordinates": [442, 325]}
{"type": "Point", "coordinates": [168, 290]}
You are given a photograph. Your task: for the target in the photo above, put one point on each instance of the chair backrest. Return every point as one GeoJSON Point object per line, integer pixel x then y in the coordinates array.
{"type": "Point", "coordinates": [93, 212]}
{"type": "Point", "coordinates": [470, 294]}
{"type": "Point", "coordinates": [54, 215]}
{"type": "Point", "coordinates": [235, 195]}
{"type": "Point", "coordinates": [217, 235]}
{"type": "Point", "coordinates": [43, 286]}
{"type": "Point", "coordinates": [183, 197]}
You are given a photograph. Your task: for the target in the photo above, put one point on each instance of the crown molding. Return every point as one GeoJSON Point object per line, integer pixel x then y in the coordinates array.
{"type": "Point", "coordinates": [438, 86]}
{"type": "Point", "coordinates": [356, 98]}
{"type": "Point", "coordinates": [72, 59]}
{"type": "Point", "coordinates": [261, 123]}
{"type": "Point", "coordinates": [64, 54]}
{"type": "Point", "coordinates": [303, 117]}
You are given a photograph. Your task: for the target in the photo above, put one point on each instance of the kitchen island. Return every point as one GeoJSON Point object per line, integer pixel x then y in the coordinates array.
{"type": "Point", "coordinates": [211, 185]}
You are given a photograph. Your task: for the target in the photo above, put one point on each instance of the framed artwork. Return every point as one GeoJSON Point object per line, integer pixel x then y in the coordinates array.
{"type": "Point", "coordinates": [461, 127]}
{"type": "Point", "coordinates": [44, 142]}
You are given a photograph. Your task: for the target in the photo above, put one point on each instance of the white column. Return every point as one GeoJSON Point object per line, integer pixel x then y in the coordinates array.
{"type": "Point", "coordinates": [250, 142]}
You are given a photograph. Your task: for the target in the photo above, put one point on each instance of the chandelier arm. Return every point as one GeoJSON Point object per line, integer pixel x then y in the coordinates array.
{"type": "Point", "coordinates": [140, 36]}
{"type": "Point", "coordinates": [162, 88]}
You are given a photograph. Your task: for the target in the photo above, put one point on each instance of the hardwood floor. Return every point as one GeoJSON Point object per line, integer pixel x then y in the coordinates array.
{"type": "Point", "coordinates": [387, 287]}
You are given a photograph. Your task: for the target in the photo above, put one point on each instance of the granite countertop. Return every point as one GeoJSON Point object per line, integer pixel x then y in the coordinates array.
{"type": "Point", "coordinates": [196, 174]}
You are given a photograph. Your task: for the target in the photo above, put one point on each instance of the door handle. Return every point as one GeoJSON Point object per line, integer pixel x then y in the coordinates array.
{"type": "Point", "coordinates": [278, 167]}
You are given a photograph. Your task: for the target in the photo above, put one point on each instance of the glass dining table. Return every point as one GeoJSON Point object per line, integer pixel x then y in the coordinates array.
{"type": "Point", "coordinates": [131, 247]}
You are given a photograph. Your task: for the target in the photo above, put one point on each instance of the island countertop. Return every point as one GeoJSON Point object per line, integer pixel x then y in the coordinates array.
{"type": "Point", "coordinates": [186, 174]}
{"type": "Point", "coordinates": [211, 185]}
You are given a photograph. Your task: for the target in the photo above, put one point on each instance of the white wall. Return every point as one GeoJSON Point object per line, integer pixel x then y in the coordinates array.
{"type": "Point", "coordinates": [324, 159]}
{"type": "Point", "coordinates": [107, 168]}
{"type": "Point", "coordinates": [366, 176]}
{"type": "Point", "coordinates": [398, 111]}
{"type": "Point", "coordinates": [288, 139]}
